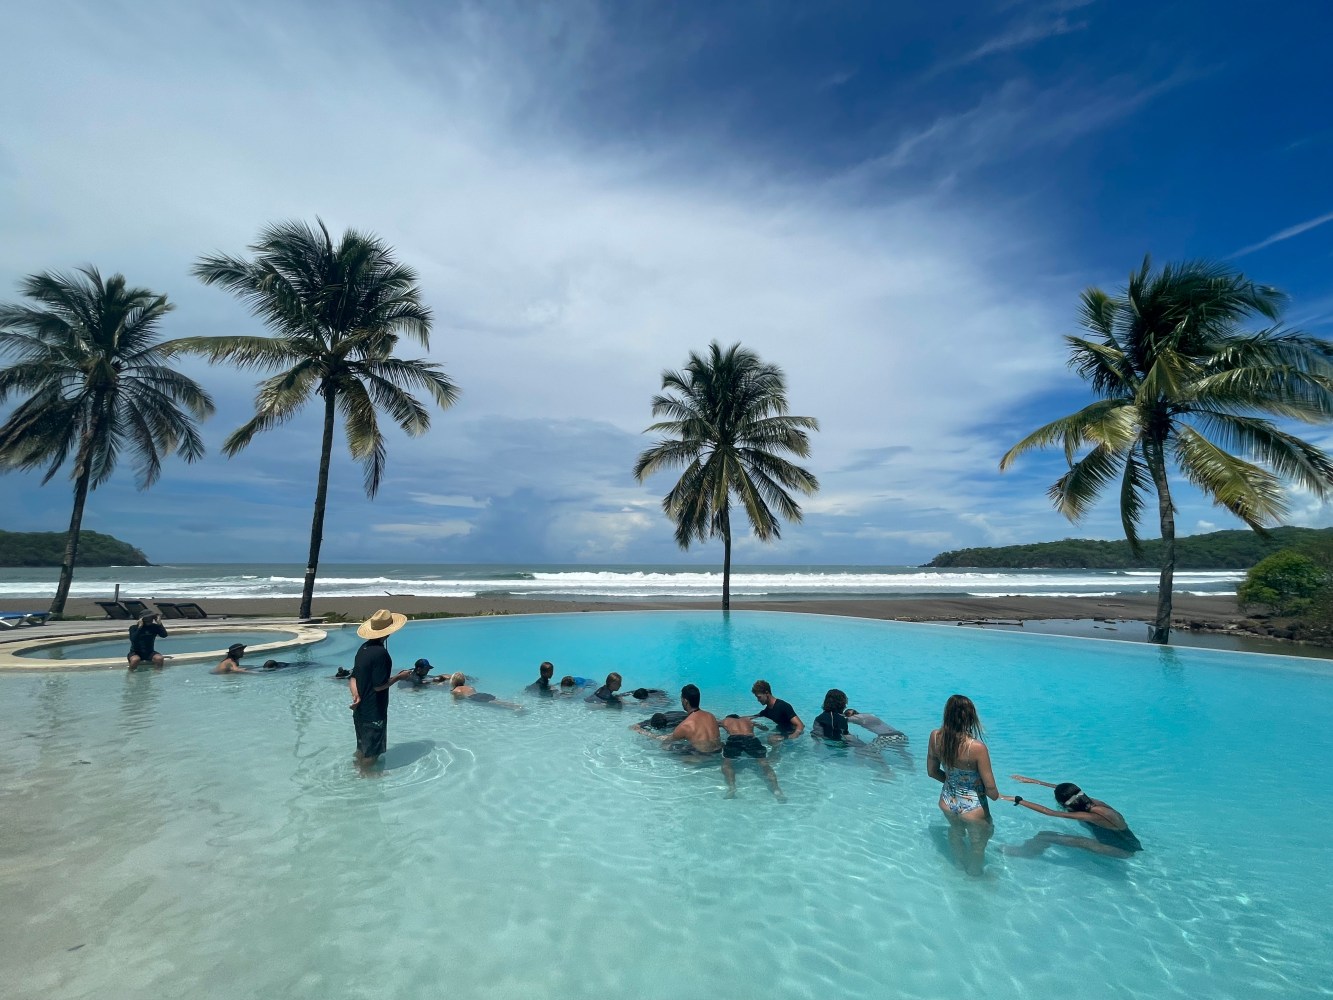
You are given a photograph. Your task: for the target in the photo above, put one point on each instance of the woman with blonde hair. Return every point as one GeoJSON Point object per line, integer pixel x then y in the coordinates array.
{"type": "Point", "coordinates": [958, 759]}
{"type": "Point", "coordinates": [461, 689]}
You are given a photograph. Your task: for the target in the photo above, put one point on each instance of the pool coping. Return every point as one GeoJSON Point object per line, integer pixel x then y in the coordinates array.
{"type": "Point", "coordinates": [12, 660]}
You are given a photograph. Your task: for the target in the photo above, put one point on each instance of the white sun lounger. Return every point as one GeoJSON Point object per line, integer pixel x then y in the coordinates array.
{"type": "Point", "coordinates": [13, 619]}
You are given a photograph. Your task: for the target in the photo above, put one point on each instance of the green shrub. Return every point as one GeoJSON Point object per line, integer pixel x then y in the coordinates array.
{"type": "Point", "coordinates": [1288, 582]}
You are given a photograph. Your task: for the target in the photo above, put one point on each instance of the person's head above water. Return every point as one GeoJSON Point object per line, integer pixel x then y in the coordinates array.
{"type": "Point", "coordinates": [763, 691]}
{"type": "Point", "coordinates": [835, 701]}
{"type": "Point", "coordinates": [567, 681]}
{"type": "Point", "coordinates": [458, 679]}
{"type": "Point", "coordinates": [960, 722]}
{"type": "Point", "coordinates": [422, 667]}
{"type": "Point", "coordinates": [236, 650]}
{"type": "Point", "coordinates": [689, 696]}
{"type": "Point", "coordinates": [1071, 797]}
{"type": "Point", "coordinates": [546, 670]}
{"type": "Point", "coordinates": [613, 681]}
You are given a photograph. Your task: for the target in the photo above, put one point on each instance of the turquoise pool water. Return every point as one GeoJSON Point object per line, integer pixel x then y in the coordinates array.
{"type": "Point", "coordinates": [177, 641]}
{"type": "Point", "coordinates": [178, 834]}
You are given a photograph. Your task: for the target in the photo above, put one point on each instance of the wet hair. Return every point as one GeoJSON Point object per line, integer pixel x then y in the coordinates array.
{"type": "Point", "coordinates": [567, 681]}
{"type": "Point", "coordinates": [612, 676]}
{"type": "Point", "coordinates": [458, 679]}
{"type": "Point", "coordinates": [835, 701]}
{"type": "Point", "coordinates": [547, 669]}
{"type": "Point", "coordinates": [960, 722]}
{"type": "Point", "coordinates": [1071, 797]}
{"type": "Point", "coordinates": [343, 672]}
{"type": "Point", "coordinates": [761, 687]}
{"type": "Point", "coordinates": [690, 694]}
{"type": "Point", "coordinates": [733, 715]}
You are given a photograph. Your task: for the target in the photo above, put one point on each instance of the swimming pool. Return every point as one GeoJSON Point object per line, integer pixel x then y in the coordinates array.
{"type": "Point", "coordinates": [178, 642]}
{"type": "Point", "coordinates": [181, 834]}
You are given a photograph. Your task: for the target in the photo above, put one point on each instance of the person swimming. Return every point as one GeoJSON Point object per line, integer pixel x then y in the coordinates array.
{"type": "Point", "coordinates": [418, 678]}
{"type": "Point", "coordinates": [231, 663]}
{"type": "Point", "coordinates": [542, 685]}
{"type": "Point", "coordinates": [461, 689]}
{"type": "Point", "coordinates": [1111, 835]}
{"type": "Point", "coordinates": [742, 742]}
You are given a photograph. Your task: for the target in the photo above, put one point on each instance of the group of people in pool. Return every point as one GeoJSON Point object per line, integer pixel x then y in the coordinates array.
{"type": "Point", "coordinates": [956, 754]}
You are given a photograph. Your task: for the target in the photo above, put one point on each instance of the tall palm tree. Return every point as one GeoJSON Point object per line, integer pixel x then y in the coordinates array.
{"type": "Point", "coordinates": [1179, 382]}
{"type": "Point", "coordinates": [728, 415]}
{"type": "Point", "coordinates": [336, 311]}
{"type": "Point", "coordinates": [87, 352]}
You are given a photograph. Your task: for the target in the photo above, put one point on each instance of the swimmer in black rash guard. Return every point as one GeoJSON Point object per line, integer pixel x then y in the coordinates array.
{"type": "Point", "coordinates": [606, 694]}
{"type": "Point", "coordinates": [542, 685]}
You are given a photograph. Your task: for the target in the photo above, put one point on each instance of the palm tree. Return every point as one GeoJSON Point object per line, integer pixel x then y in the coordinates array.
{"type": "Point", "coordinates": [87, 352]}
{"type": "Point", "coordinates": [728, 415]}
{"type": "Point", "coordinates": [336, 311]}
{"type": "Point", "coordinates": [1178, 381]}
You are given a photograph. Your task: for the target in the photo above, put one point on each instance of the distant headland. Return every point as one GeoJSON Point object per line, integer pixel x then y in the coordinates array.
{"type": "Point", "coordinates": [1220, 550]}
{"type": "Point", "coordinates": [47, 548]}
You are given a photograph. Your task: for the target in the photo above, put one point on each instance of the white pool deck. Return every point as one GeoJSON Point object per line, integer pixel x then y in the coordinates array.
{"type": "Point", "coordinates": [289, 633]}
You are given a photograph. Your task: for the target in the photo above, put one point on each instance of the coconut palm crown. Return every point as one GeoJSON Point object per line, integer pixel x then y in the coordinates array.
{"type": "Point", "coordinates": [336, 311]}
{"type": "Point", "coordinates": [87, 354]}
{"type": "Point", "coordinates": [729, 426]}
{"type": "Point", "coordinates": [1180, 383]}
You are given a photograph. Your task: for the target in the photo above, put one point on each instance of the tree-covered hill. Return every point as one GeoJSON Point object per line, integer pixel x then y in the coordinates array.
{"type": "Point", "coordinates": [47, 548]}
{"type": "Point", "coordinates": [1238, 549]}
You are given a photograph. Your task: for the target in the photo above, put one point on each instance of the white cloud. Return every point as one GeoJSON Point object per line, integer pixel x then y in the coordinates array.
{"type": "Point", "coordinates": [448, 500]}
{"type": "Point", "coordinates": [429, 530]}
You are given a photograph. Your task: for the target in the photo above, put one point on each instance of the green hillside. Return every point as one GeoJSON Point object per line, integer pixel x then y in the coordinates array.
{"type": "Point", "coordinates": [1238, 549]}
{"type": "Point", "coordinates": [47, 548]}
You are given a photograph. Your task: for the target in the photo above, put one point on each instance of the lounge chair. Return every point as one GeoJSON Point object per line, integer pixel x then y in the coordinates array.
{"type": "Point", "coordinates": [170, 610]}
{"type": "Point", "coordinates": [192, 610]}
{"type": "Point", "coordinates": [136, 608]}
{"type": "Point", "coordinates": [114, 609]}
{"type": "Point", "coordinates": [13, 619]}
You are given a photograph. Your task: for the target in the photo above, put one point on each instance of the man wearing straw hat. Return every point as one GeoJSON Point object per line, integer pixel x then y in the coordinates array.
{"type": "Point", "coordinates": [372, 676]}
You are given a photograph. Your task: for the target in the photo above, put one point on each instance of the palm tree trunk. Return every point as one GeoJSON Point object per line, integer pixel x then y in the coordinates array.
{"type": "Point", "coordinates": [1166, 511]}
{"type": "Point", "coordinates": [321, 500]}
{"type": "Point", "coordinates": [726, 560]}
{"type": "Point", "coordinates": [84, 476]}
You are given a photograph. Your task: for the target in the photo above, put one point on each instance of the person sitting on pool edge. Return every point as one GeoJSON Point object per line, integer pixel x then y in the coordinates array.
{"type": "Point", "coordinates": [143, 635]}
{"type": "Point", "coordinates": [779, 712]}
{"type": "Point", "coordinates": [606, 694]}
{"type": "Point", "coordinates": [231, 663]}
{"type": "Point", "coordinates": [741, 741]}
{"type": "Point", "coordinates": [1111, 835]}
{"type": "Point", "coordinates": [699, 729]}
{"type": "Point", "coordinates": [542, 685]}
{"type": "Point", "coordinates": [461, 689]}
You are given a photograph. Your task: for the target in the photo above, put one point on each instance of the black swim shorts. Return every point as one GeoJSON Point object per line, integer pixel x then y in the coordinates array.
{"type": "Point", "coordinates": [481, 696]}
{"type": "Point", "coordinates": [371, 737]}
{"type": "Point", "coordinates": [738, 745]}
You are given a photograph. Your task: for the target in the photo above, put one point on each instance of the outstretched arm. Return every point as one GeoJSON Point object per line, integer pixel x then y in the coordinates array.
{"type": "Point", "coordinates": [1031, 781]}
{"type": "Point", "coordinates": [1085, 817]}
{"type": "Point", "coordinates": [402, 675]}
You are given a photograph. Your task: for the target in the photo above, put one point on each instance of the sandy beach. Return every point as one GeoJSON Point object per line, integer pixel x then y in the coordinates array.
{"type": "Point", "coordinates": [1214, 611]}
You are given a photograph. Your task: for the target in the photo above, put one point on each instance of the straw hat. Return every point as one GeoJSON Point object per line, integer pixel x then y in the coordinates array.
{"type": "Point", "coordinates": [380, 624]}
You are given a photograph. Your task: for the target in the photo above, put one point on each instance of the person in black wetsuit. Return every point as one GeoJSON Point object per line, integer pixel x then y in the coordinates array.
{"type": "Point", "coordinates": [372, 676]}
{"type": "Point", "coordinates": [542, 685]}
{"type": "Point", "coordinates": [417, 678]}
{"type": "Point", "coordinates": [1111, 835]}
{"type": "Point", "coordinates": [831, 723]}
{"type": "Point", "coordinates": [143, 635]}
{"type": "Point", "coordinates": [606, 694]}
{"type": "Point", "coordinates": [777, 711]}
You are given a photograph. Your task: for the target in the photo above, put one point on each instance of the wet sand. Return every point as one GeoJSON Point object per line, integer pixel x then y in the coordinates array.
{"type": "Point", "coordinates": [1212, 610]}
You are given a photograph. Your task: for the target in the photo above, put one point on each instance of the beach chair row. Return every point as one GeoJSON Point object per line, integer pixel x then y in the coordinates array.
{"type": "Point", "coordinates": [14, 619]}
{"type": "Point", "coordinates": [129, 610]}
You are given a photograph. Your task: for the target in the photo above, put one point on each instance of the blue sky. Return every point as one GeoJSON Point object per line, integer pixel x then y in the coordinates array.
{"type": "Point", "coordinates": [897, 203]}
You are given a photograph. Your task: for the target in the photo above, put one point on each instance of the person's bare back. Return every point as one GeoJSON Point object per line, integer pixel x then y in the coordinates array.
{"type": "Point", "coordinates": [737, 725]}
{"type": "Point", "coordinates": [700, 728]}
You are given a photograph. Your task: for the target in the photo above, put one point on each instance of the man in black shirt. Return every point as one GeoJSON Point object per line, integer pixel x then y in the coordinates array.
{"type": "Point", "coordinates": [143, 635]}
{"type": "Point", "coordinates": [542, 685]}
{"type": "Point", "coordinates": [777, 711]}
{"type": "Point", "coordinates": [372, 676]}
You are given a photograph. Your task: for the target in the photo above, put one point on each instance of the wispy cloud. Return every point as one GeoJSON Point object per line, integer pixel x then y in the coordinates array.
{"type": "Point", "coordinates": [1286, 234]}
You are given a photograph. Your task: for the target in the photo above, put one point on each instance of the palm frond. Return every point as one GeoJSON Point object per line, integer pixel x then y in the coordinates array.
{"type": "Point", "coordinates": [1079, 488]}
{"type": "Point", "coordinates": [1251, 493]}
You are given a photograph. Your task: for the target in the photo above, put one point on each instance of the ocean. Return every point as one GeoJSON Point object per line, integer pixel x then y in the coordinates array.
{"type": "Point", "coordinates": [628, 583]}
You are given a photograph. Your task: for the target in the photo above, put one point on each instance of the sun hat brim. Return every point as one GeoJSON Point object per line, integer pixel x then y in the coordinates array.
{"type": "Point", "coordinates": [367, 631]}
